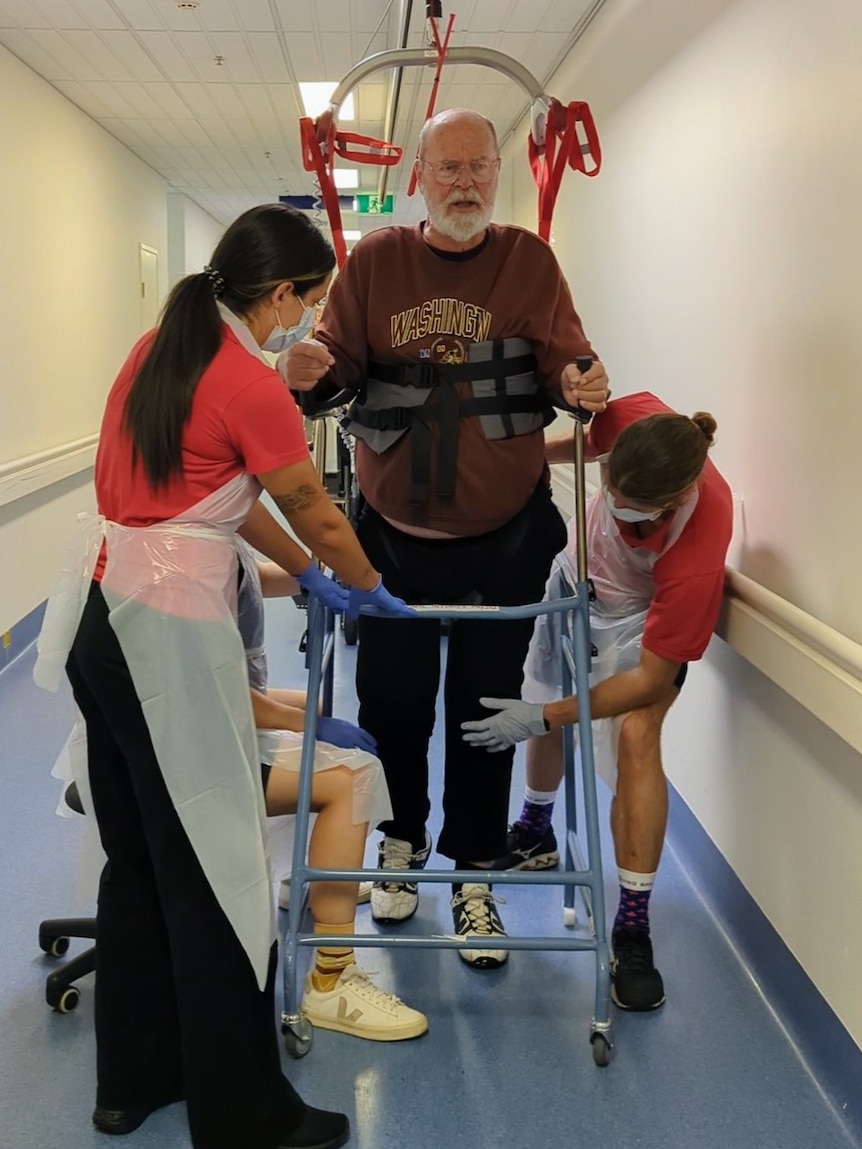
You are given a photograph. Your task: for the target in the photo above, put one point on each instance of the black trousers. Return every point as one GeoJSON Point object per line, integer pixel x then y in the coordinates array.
{"type": "Point", "coordinates": [178, 1011]}
{"type": "Point", "coordinates": [398, 668]}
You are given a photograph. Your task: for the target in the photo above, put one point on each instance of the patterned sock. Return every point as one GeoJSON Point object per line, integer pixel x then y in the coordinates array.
{"type": "Point", "coordinates": [537, 812]}
{"type": "Point", "coordinates": [633, 911]}
{"type": "Point", "coordinates": [330, 962]}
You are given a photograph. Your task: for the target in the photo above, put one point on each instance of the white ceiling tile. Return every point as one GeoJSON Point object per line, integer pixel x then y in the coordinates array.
{"type": "Point", "coordinates": [90, 46]}
{"type": "Point", "coordinates": [163, 47]}
{"type": "Point", "coordinates": [136, 58]}
{"type": "Point", "coordinates": [220, 15]}
{"type": "Point", "coordinates": [21, 14]}
{"type": "Point", "coordinates": [197, 98]}
{"type": "Point", "coordinates": [143, 104]}
{"type": "Point", "coordinates": [169, 132]}
{"type": "Point", "coordinates": [58, 45]}
{"type": "Point", "coordinates": [529, 17]}
{"type": "Point", "coordinates": [60, 14]}
{"type": "Point", "coordinates": [285, 101]}
{"type": "Point", "coordinates": [487, 16]}
{"type": "Point", "coordinates": [100, 14]}
{"type": "Point", "coordinates": [168, 100]}
{"type": "Point", "coordinates": [36, 54]}
{"type": "Point", "coordinates": [305, 58]}
{"type": "Point", "coordinates": [127, 130]}
{"type": "Point", "coordinates": [339, 56]}
{"type": "Point", "coordinates": [563, 15]}
{"type": "Point", "coordinates": [370, 102]}
{"type": "Point", "coordinates": [364, 17]}
{"type": "Point", "coordinates": [141, 14]}
{"type": "Point", "coordinates": [269, 56]}
{"type": "Point", "coordinates": [296, 16]}
{"type": "Point", "coordinates": [85, 98]}
{"type": "Point", "coordinates": [238, 62]}
{"type": "Point", "coordinates": [255, 15]}
{"type": "Point", "coordinates": [195, 134]}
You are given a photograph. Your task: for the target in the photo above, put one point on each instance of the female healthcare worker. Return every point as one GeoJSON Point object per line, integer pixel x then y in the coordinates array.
{"type": "Point", "coordinates": [195, 425]}
{"type": "Point", "coordinates": [658, 531]}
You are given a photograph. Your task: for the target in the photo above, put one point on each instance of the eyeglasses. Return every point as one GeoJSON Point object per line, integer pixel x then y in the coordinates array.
{"type": "Point", "coordinates": [447, 171]}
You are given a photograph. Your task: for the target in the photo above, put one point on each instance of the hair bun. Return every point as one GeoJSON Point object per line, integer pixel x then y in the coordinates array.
{"type": "Point", "coordinates": [705, 424]}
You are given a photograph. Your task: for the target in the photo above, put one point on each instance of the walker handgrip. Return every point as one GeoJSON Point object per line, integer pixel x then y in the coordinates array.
{"type": "Point", "coordinates": [583, 363]}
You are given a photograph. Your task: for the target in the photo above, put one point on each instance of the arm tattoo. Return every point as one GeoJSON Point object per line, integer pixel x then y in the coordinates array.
{"type": "Point", "coordinates": [302, 499]}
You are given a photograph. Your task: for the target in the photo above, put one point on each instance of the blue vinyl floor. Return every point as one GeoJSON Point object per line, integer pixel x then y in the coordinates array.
{"type": "Point", "coordinates": [507, 1060]}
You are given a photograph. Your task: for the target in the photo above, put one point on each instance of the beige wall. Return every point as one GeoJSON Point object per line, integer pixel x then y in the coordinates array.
{"type": "Point", "coordinates": [715, 262]}
{"type": "Point", "coordinates": [74, 207]}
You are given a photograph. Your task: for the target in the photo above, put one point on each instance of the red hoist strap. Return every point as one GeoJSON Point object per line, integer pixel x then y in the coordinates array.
{"type": "Point", "coordinates": [562, 146]}
{"type": "Point", "coordinates": [442, 49]}
{"type": "Point", "coordinates": [320, 143]}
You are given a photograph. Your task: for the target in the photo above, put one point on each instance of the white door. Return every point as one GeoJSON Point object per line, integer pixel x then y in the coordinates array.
{"type": "Point", "coordinates": [149, 276]}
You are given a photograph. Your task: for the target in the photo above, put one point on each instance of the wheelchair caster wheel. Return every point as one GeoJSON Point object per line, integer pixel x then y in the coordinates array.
{"type": "Point", "coordinates": [601, 1050]}
{"type": "Point", "coordinates": [298, 1038]}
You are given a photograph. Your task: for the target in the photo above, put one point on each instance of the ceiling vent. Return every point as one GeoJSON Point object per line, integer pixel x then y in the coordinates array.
{"type": "Point", "coordinates": [187, 3]}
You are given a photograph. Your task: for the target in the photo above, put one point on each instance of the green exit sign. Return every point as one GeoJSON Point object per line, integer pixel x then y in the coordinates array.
{"type": "Point", "coordinates": [373, 204]}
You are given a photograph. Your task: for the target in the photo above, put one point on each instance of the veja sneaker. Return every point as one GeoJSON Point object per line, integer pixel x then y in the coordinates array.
{"type": "Point", "coordinates": [475, 916]}
{"type": "Point", "coordinates": [284, 894]}
{"type": "Point", "coordinates": [526, 851]}
{"type": "Point", "coordinates": [637, 985]}
{"type": "Point", "coordinates": [357, 1007]}
{"type": "Point", "coordinates": [398, 901]}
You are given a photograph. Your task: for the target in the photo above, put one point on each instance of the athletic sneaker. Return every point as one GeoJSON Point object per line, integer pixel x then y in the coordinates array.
{"type": "Point", "coordinates": [284, 894]}
{"type": "Point", "coordinates": [356, 1006]}
{"type": "Point", "coordinates": [637, 984]}
{"type": "Point", "coordinates": [475, 916]}
{"type": "Point", "coordinates": [398, 901]}
{"type": "Point", "coordinates": [529, 851]}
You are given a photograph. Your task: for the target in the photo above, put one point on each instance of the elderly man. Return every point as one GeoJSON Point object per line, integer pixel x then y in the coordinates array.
{"type": "Point", "coordinates": [454, 339]}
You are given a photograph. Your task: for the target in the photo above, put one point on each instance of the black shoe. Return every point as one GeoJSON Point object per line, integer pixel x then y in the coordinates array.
{"type": "Point", "coordinates": [526, 851]}
{"type": "Point", "coordinates": [127, 1120]}
{"type": "Point", "coordinates": [475, 916]}
{"type": "Point", "coordinates": [637, 984]}
{"type": "Point", "coordinates": [319, 1129]}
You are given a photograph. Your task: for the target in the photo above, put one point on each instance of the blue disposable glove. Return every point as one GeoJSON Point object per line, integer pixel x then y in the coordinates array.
{"type": "Point", "coordinates": [514, 722]}
{"type": "Point", "coordinates": [380, 598]}
{"type": "Point", "coordinates": [314, 582]}
{"type": "Point", "coordinates": [337, 732]}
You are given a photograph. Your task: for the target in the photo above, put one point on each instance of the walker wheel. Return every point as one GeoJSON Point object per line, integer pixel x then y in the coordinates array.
{"type": "Point", "coordinates": [63, 1001]}
{"type": "Point", "coordinates": [601, 1050]}
{"type": "Point", "coordinates": [570, 916]}
{"type": "Point", "coordinates": [55, 947]}
{"type": "Point", "coordinates": [298, 1038]}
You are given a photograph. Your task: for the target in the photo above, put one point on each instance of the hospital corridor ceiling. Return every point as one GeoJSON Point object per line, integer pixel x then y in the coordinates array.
{"type": "Point", "coordinates": [208, 95]}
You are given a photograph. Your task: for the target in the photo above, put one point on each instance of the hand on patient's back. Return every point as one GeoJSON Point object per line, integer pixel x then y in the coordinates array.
{"type": "Point", "coordinates": [380, 598]}
{"type": "Point", "coordinates": [337, 732]}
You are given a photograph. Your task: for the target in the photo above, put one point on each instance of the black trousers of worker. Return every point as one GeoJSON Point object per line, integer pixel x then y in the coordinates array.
{"type": "Point", "coordinates": [178, 1010]}
{"type": "Point", "coordinates": [398, 669]}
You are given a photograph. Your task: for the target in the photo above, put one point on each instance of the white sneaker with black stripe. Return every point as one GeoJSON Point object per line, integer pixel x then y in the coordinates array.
{"type": "Point", "coordinates": [398, 901]}
{"type": "Point", "coordinates": [474, 915]}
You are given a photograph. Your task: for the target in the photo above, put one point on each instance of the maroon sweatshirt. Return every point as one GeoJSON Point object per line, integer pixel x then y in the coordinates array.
{"type": "Point", "coordinates": [397, 300]}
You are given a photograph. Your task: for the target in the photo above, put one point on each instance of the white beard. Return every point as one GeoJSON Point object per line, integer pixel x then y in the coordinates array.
{"type": "Point", "coordinates": [460, 226]}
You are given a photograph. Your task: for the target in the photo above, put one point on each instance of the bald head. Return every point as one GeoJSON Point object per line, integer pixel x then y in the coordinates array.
{"type": "Point", "coordinates": [457, 125]}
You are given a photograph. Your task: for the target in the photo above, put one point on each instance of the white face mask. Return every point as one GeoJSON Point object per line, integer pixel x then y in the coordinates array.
{"type": "Point", "coordinates": [280, 338]}
{"type": "Point", "coordinates": [629, 514]}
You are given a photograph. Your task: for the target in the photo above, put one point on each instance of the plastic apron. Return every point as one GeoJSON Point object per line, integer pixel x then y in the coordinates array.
{"type": "Point", "coordinates": [171, 594]}
{"type": "Point", "coordinates": [624, 583]}
{"type": "Point", "coordinates": [282, 749]}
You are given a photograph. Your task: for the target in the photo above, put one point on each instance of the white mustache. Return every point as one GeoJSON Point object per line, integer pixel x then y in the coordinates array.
{"type": "Point", "coordinates": [470, 195]}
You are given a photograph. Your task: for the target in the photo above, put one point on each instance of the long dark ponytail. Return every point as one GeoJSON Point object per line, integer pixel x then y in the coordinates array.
{"type": "Point", "coordinates": [266, 246]}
